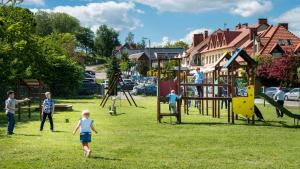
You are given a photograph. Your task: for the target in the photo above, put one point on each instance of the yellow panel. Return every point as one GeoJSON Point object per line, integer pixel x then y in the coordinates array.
{"type": "Point", "coordinates": [244, 105]}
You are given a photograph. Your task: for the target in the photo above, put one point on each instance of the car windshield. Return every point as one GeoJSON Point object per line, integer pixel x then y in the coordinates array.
{"type": "Point", "coordinates": [271, 89]}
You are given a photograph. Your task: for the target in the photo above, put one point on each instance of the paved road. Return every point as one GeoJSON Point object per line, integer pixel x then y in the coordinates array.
{"type": "Point", "coordinates": [286, 103]}
{"type": "Point", "coordinates": [99, 75]}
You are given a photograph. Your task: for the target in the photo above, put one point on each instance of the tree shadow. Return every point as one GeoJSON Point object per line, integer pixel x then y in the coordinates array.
{"type": "Point", "coordinates": [28, 135]}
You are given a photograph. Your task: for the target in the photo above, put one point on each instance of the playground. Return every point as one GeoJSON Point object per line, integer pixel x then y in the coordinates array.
{"type": "Point", "coordinates": [243, 135]}
{"type": "Point", "coordinates": [133, 139]}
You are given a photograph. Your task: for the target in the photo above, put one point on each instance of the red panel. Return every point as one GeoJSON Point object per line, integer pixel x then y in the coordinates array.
{"type": "Point", "coordinates": [167, 86]}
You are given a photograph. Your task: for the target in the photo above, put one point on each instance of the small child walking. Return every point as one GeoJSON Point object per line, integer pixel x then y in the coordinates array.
{"type": "Point", "coordinates": [86, 127]}
{"type": "Point", "coordinates": [10, 109]}
{"type": "Point", "coordinates": [48, 111]}
{"type": "Point", "coordinates": [172, 101]}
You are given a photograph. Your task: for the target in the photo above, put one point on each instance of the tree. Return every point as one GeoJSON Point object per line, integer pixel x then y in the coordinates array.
{"type": "Point", "coordinates": [85, 37]}
{"type": "Point", "coordinates": [141, 45]}
{"type": "Point", "coordinates": [64, 23]}
{"type": "Point", "coordinates": [106, 40]}
{"type": "Point", "coordinates": [43, 23]}
{"type": "Point", "coordinates": [112, 70]}
{"type": "Point", "coordinates": [130, 38]}
{"type": "Point", "coordinates": [178, 44]}
{"type": "Point", "coordinates": [124, 65]}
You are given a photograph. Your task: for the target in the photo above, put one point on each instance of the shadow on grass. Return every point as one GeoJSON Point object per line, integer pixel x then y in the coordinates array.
{"type": "Point", "coordinates": [118, 114]}
{"type": "Point", "coordinates": [28, 135]}
{"type": "Point", "coordinates": [105, 158]}
{"type": "Point", "coordinates": [281, 124]}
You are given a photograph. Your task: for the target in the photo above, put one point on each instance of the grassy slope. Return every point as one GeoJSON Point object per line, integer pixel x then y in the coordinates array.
{"type": "Point", "coordinates": [133, 139]}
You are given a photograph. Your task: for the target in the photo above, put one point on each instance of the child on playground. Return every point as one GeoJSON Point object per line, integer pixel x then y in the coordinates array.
{"type": "Point", "coordinates": [48, 111]}
{"type": "Point", "coordinates": [10, 109]}
{"type": "Point", "coordinates": [172, 101]}
{"type": "Point", "coordinates": [86, 127]}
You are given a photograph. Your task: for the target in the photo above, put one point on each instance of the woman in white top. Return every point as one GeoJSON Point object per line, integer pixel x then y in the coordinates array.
{"type": "Point", "coordinates": [86, 127]}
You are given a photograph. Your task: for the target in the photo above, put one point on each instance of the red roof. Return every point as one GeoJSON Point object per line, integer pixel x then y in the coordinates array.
{"type": "Point", "coordinates": [274, 35]}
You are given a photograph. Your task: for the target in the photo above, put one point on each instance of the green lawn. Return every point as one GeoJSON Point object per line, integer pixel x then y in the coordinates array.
{"type": "Point", "coordinates": [133, 139]}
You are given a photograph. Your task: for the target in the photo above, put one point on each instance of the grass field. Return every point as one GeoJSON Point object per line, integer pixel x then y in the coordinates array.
{"type": "Point", "coordinates": [133, 139]}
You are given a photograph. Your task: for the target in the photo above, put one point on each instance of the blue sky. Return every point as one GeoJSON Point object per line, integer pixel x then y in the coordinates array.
{"type": "Point", "coordinates": [172, 20]}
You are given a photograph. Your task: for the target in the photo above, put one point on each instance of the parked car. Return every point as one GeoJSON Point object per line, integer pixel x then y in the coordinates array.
{"type": "Point", "coordinates": [88, 88]}
{"type": "Point", "coordinates": [145, 89]}
{"type": "Point", "coordinates": [293, 94]}
{"type": "Point", "coordinates": [87, 75]}
{"type": "Point", "coordinates": [128, 84]}
{"type": "Point", "coordinates": [90, 72]}
{"type": "Point", "coordinates": [270, 91]}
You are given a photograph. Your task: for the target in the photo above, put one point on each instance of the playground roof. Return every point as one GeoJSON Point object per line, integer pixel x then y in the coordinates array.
{"type": "Point", "coordinates": [32, 82]}
{"type": "Point", "coordinates": [243, 54]}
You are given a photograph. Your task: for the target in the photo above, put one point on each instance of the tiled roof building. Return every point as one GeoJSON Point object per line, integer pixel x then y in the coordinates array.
{"type": "Point", "coordinates": [258, 39]}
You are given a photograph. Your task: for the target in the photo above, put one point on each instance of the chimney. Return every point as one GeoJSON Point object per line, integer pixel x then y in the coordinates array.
{"type": "Point", "coordinates": [197, 39]}
{"type": "Point", "coordinates": [253, 33]}
{"type": "Point", "coordinates": [205, 34]}
{"type": "Point", "coordinates": [262, 21]}
{"type": "Point", "coordinates": [285, 25]}
{"type": "Point", "coordinates": [238, 26]}
{"type": "Point", "coordinates": [245, 25]}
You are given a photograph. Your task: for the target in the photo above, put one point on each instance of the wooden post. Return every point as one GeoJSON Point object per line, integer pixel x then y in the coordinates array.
{"type": "Point", "coordinates": [178, 86]}
{"type": "Point", "coordinates": [228, 111]}
{"type": "Point", "coordinates": [213, 94]}
{"type": "Point", "coordinates": [206, 92]}
{"type": "Point", "coordinates": [158, 92]}
{"type": "Point", "coordinates": [29, 103]}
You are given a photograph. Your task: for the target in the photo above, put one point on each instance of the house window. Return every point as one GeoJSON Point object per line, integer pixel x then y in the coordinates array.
{"type": "Point", "coordinates": [281, 42]}
{"type": "Point", "coordinates": [289, 42]}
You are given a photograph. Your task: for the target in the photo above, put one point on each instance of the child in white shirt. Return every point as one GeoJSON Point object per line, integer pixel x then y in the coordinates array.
{"type": "Point", "coordinates": [86, 127]}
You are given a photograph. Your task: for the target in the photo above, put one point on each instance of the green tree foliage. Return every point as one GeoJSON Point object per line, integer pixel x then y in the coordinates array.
{"type": "Point", "coordinates": [141, 44]}
{"type": "Point", "coordinates": [64, 23]}
{"type": "Point", "coordinates": [85, 37]}
{"type": "Point", "coordinates": [130, 38]}
{"type": "Point", "coordinates": [106, 40]}
{"type": "Point", "coordinates": [23, 54]}
{"type": "Point", "coordinates": [112, 69]}
{"type": "Point", "coordinates": [124, 65]}
{"type": "Point", "coordinates": [43, 23]}
{"type": "Point", "coordinates": [178, 44]}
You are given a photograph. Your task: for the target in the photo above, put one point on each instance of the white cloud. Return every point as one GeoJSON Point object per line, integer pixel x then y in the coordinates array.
{"type": "Point", "coordinates": [293, 18]}
{"type": "Point", "coordinates": [188, 38]}
{"type": "Point", "coordinates": [248, 8]}
{"type": "Point", "coordinates": [114, 14]}
{"type": "Point", "coordinates": [197, 6]}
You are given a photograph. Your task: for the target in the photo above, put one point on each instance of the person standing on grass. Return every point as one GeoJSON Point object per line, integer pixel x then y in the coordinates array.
{"type": "Point", "coordinates": [48, 108]}
{"type": "Point", "coordinates": [279, 98]}
{"type": "Point", "coordinates": [172, 101]}
{"type": "Point", "coordinates": [86, 127]}
{"type": "Point", "coordinates": [199, 78]}
{"type": "Point", "coordinates": [10, 109]}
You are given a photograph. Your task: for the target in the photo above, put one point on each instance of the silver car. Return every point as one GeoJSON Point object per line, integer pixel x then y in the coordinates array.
{"type": "Point", "coordinates": [270, 91]}
{"type": "Point", "coordinates": [294, 94]}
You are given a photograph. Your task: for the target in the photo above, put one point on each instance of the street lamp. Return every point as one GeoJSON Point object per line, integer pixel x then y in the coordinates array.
{"type": "Point", "coordinates": [144, 38]}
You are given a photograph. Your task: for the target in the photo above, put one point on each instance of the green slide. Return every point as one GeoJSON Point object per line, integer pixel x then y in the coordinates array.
{"type": "Point", "coordinates": [278, 106]}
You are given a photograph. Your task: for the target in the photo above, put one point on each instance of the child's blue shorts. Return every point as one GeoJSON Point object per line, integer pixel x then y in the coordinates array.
{"type": "Point", "coordinates": [85, 137]}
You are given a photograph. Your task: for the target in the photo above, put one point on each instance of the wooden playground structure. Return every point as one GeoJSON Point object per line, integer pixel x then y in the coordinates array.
{"type": "Point", "coordinates": [34, 90]}
{"type": "Point", "coordinates": [224, 75]}
{"type": "Point", "coordinates": [112, 90]}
